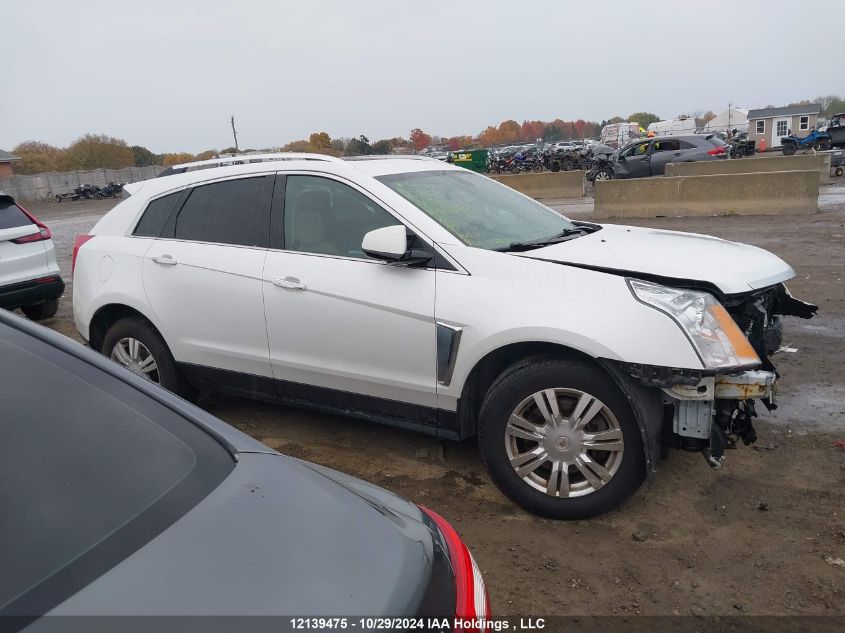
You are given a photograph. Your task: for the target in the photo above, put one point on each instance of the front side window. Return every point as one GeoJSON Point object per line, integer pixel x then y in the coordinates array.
{"type": "Point", "coordinates": [229, 212]}
{"type": "Point", "coordinates": [639, 149]}
{"type": "Point", "coordinates": [478, 211]}
{"type": "Point", "coordinates": [761, 127]}
{"type": "Point", "coordinates": [804, 123]}
{"type": "Point", "coordinates": [327, 217]}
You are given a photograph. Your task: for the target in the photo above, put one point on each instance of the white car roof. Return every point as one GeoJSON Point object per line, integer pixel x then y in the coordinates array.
{"type": "Point", "coordinates": [372, 166]}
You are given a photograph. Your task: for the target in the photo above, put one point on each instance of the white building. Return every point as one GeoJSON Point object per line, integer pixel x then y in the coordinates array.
{"type": "Point", "coordinates": [731, 119]}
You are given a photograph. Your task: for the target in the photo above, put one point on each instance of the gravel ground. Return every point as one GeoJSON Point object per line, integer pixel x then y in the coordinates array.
{"type": "Point", "coordinates": [749, 539]}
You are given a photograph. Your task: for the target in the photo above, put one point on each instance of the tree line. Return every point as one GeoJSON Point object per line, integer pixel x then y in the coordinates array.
{"type": "Point", "coordinates": [97, 151]}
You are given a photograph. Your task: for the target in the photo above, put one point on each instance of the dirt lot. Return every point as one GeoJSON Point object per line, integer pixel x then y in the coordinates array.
{"type": "Point", "coordinates": [749, 539]}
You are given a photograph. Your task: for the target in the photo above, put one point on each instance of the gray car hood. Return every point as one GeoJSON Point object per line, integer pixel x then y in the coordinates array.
{"type": "Point", "coordinates": [730, 266]}
{"type": "Point", "coordinates": [277, 537]}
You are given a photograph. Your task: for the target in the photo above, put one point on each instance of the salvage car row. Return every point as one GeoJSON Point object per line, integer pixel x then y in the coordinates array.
{"type": "Point", "coordinates": [401, 290]}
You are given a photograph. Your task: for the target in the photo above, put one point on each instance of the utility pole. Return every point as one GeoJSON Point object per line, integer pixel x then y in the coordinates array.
{"type": "Point", "coordinates": [235, 134]}
{"type": "Point", "coordinates": [730, 105]}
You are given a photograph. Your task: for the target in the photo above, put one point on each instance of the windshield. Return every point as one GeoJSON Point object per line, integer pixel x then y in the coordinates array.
{"type": "Point", "coordinates": [477, 210]}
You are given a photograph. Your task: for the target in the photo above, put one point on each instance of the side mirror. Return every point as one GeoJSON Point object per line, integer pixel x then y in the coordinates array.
{"type": "Point", "coordinates": [390, 244]}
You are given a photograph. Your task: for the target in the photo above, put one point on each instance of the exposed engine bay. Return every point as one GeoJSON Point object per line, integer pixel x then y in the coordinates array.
{"type": "Point", "coordinates": [714, 421]}
{"type": "Point", "coordinates": [711, 411]}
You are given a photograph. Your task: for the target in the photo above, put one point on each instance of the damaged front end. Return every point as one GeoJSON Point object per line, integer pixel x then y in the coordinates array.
{"type": "Point", "coordinates": [712, 409]}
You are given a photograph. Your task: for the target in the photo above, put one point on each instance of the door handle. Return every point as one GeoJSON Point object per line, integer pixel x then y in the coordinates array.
{"type": "Point", "coordinates": [164, 260]}
{"type": "Point", "coordinates": [290, 283]}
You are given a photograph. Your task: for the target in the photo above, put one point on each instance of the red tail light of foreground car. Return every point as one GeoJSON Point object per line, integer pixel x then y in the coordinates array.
{"type": "Point", "coordinates": [472, 601]}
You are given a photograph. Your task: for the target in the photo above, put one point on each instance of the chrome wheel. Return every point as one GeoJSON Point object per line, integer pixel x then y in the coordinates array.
{"type": "Point", "coordinates": [602, 175]}
{"type": "Point", "coordinates": [564, 442]}
{"type": "Point", "coordinates": [134, 355]}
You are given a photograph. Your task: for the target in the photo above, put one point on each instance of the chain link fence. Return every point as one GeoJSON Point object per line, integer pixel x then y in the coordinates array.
{"type": "Point", "coordinates": [46, 186]}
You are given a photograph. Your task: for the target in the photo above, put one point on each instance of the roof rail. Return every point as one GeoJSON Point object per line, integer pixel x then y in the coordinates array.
{"type": "Point", "coordinates": [245, 159]}
{"type": "Point", "coordinates": [389, 157]}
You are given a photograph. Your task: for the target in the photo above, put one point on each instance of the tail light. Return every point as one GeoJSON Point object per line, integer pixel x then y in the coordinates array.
{"type": "Point", "coordinates": [718, 151]}
{"type": "Point", "coordinates": [43, 232]}
{"type": "Point", "coordinates": [472, 601]}
{"type": "Point", "coordinates": [77, 244]}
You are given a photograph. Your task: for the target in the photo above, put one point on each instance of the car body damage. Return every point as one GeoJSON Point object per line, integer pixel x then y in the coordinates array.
{"type": "Point", "coordinates": [707, 410]}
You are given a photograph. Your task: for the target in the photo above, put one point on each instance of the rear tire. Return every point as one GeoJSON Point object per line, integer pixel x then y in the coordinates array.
{"type": "Point", "coordinates": [837, 171]}
{"type": "Point", "coordinates": [41, 311]}
{"type": "Point", "coordinates": [132, 341]}
{"type": "Point", "coordinates": [561, 476]}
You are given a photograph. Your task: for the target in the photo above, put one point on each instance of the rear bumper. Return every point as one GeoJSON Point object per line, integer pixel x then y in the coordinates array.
{"type": "Point", "coordinates": [31, 292]}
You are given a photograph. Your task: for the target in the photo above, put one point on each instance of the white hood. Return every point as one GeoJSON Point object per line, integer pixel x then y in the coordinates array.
{"type": "Point", "coordinates": [730, 266]}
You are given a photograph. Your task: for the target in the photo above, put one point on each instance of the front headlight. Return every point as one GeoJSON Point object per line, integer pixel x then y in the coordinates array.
{"type": "Point", "coordinates": [713, 332]}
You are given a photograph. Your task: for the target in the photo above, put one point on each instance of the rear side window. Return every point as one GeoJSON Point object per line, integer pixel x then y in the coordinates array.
{"type": "Point", "coordinates": [670, 145]}
{"type": "Point", "coordinates": [686, 144]}
{"type": "Point", "coordinates": [155, 216]}
{"type": "Point", "coordinates": [230, 212]}
{"type": "Point", "coordinates": [11, 215]}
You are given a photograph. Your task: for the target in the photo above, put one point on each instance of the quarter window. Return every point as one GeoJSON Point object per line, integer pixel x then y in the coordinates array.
{"type": "Point", "coordinates": [229, 212]}
{"type": "Point", "coordinates": [761, 127]}
{"type": "Point", "coordinates": [156, 215]}
{"type": "Point", "coordinates": [804, 123]}
{"type": "Point", "coordinates": [328, 217]}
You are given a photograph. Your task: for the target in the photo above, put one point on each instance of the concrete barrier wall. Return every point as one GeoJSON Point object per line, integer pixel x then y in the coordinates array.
{"type": "Point", "coordinates": [562, 184]}
{"type": "Point", "coordinates": [763, 193]}
{"type": "Point", "coordinates": [819, 161]}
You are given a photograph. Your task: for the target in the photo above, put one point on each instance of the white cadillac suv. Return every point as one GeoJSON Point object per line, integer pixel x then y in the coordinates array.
{"type": "Point", "coordinates": [418, 294]}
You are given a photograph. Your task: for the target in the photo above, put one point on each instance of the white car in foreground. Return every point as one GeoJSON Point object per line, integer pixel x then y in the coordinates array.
{"type": "Point", "coordinates": [422, 295]}
{"type": "Point", "coordinates": [30, 278]}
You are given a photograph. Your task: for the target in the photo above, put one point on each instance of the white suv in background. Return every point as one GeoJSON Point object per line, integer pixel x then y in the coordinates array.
{"type": "Point", "coordinates": [414, 293]}
{"type": "Point", "coordinates": [29, 273]}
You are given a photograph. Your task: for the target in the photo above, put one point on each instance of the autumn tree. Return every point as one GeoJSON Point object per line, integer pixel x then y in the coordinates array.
{"type": "Point", "coordinates": [382, 147]}
{"type": "Point", "coordinates": [831, 104]}
{"type": "Point", "coordinates": [94, 151]}
{"type": "Point", "coordinates": [359, 147]}
{"type": "Point", "coordinates": [420, 139]}
{"type": "Point", "coordinates": [320, 141]}
{"type": "Point", "coordinates": [206, 155]}
{"type": "Point", "coordinates": [37, 157]}
{"type": "Point", "coordinates": [143, 156]}
{"type": "Point", "coordinates": [297, 146]}
{"type": "Point", "coordinates": [177, 158]}
{"type": "Point", "coordinates": [643, 118]}
{"type": "Point", "coordinates": [509, 131]}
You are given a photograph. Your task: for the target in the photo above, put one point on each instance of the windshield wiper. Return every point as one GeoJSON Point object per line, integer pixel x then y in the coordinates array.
{"type": "Point", "coordinates": [564, 236]}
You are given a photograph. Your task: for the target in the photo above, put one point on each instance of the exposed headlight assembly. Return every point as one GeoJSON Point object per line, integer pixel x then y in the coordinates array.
{"type": "Point", "coordinates": [711, 330]}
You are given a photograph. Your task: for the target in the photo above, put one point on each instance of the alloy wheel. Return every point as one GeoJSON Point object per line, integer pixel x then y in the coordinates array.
{"type": "Point", "coordinates": [135, 356]}
{"type": "Point", "coordinates": [564, 442]}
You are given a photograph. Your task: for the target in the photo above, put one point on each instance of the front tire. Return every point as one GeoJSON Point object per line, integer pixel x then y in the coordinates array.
{"type": "Point", "coordinates": [134, 343]}
{"type": "Point", "coordinates": [41, 311]}
{"type": "Point", "coordinates": [789, 149]}
{"type": "Point", "coordinates": [560, 440]}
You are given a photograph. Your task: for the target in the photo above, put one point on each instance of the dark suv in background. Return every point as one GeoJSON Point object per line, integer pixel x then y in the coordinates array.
{"type": "Point", "coordinates": [649, 156]}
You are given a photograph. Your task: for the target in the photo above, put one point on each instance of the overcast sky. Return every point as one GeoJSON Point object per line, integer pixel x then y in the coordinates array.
{"type": "Point", "coordinates": [168, 74]}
